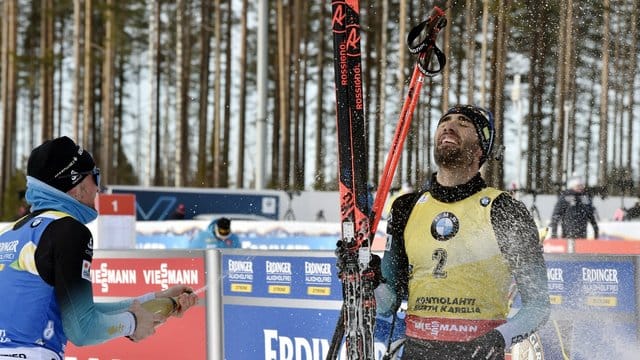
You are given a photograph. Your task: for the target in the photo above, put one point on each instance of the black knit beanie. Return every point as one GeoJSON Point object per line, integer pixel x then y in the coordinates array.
{"type": "Point", "coordinates": [482, 120]}
{"type": "Point", "coordinates": [60, 163]}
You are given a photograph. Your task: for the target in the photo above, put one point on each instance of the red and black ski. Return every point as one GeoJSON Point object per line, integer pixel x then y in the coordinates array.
{"type": "Point", "coordinates": [357, 318]}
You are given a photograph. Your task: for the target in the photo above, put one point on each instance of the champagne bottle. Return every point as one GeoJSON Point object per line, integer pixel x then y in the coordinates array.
{"type": "Point", "coordinates": [165, 306]}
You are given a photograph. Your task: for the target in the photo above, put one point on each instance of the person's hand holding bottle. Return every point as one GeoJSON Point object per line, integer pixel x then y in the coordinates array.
{"type": "Point", "coordinates": [179, 297]}
{"type": "Point", "coordinates": [146, 321]}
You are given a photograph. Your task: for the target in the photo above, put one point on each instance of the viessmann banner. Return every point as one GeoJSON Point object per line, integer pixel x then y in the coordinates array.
{"type": "Point", "coordinates": [134, 273]}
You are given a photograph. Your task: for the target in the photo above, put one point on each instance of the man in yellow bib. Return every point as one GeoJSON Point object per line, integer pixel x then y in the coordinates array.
{"type": "Point", "coordinates": [454, 249]}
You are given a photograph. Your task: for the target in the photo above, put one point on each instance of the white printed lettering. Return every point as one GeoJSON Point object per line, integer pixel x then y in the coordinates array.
{"type": "Point", "coordinates": [600, 275]}
{"type": "Point", "coordinates": [165, 276]}
{"type": "Point", "coordinates": [240, 266]}
{"type": "Point", "coordinates": [105, 276]}
{"type": "Point", "coordinates": [3, 336]}
{"type": "Point", "coordinates": [554, 274]}
{"type": "Point", "coordinates": [317, 268]}
{"type": "Point", "coordinates": [284, 348]}
{"type": "Point", "coordinates": [9, 246]}
{"type": "Point", "coordinates": [274, 267]}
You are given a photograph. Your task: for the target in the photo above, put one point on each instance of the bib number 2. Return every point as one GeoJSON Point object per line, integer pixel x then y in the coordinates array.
{"type": "Point", "coordinates": [440, 257]}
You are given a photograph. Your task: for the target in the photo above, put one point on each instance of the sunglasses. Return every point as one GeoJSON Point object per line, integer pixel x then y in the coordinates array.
{"type": "Point", "coordinates": [95, 172]}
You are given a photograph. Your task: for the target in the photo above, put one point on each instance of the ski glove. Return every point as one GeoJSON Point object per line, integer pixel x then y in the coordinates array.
{"type": "Point", "coordinates": [372, 273]}
{"type": "Point", "coordinates": [489, 346]}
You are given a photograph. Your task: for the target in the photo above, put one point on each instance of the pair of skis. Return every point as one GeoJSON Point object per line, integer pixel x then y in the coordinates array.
{"type": "Point", "coordinates": [357, 315]}
{"type": "Point", "coordinates": [359, 221]}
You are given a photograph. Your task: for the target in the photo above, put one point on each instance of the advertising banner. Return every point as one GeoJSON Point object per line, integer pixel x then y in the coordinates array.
{"type": "Point", "coordinates": [286, 306]}
{"type": "Point", "coordinates": [160, 203]}
{"type": "Point", "coordinates": [594, 303]}
{"type": "Point", "coordinates": [286, 277]}
{"type": "Point", "coordinates": [135, 273]}
{"type": "Point", "coordinates": [254, 235]}
{"type": "Point", "coordinates": [592, 284]}
{"type": "Point", "coordinates": [283, 307]}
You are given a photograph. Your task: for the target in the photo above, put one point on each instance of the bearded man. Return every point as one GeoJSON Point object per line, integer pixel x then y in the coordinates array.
{"type": "Point", "coordinates": [454, 250]}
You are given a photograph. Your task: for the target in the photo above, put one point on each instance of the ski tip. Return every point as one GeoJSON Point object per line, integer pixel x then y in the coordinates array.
{"type": "Point", "coordinates": [354, 4]}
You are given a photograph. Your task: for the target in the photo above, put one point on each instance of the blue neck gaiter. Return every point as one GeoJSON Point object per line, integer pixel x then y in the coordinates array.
{"type": "Point", "coordinates": [44, 197]}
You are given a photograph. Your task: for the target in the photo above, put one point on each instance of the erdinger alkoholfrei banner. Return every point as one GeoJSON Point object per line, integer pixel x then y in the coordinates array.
{"type": "Point", "coordinates": [283, 306]}
{"type": "Point", "coordinates": [594, 307]}
{"type": "Point", "coordinates": [594, 302]}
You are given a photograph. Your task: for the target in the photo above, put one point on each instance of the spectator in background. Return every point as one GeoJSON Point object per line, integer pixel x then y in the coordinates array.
{"type": "Point", "coordinates": [619, 214]}
{"type": "Point", "coordinates": [217, 235]}
{"type": "Point", "coordinates": [573, 211]}
{"type": "Point", "coordinates": [178, 214]}
{"type": "Point", "coordinates": [633, 213]}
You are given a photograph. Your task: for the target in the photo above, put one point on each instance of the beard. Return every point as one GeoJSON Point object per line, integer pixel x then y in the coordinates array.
{"type": "Point", "coordinates": [453, 157]}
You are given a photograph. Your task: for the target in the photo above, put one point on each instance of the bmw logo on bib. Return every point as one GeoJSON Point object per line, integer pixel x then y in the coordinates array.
{"type": "Point", "coordinates": [445, 226]}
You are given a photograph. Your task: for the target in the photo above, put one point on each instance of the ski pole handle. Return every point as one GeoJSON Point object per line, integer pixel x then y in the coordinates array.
{"type": "Point", "coordinates": [424, 35]}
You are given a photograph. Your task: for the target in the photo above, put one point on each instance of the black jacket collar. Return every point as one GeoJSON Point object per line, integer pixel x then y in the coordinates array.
{"type": "Point", "coordinates": [456, 193]}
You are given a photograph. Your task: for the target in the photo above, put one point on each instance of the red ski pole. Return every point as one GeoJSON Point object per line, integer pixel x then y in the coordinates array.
{"type": "Point", "coordinates": [421, 40]}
